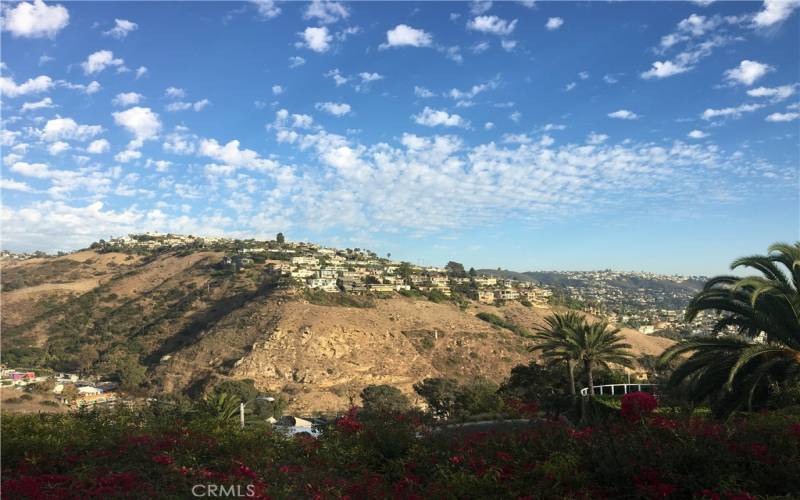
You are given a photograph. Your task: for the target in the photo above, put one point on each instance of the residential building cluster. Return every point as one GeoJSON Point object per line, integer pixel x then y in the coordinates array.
{"type": "Point", "coordinates": [73, 390]}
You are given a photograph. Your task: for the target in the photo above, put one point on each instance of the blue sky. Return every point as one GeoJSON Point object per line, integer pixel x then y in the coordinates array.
{"type": "Point", "coordinates": [528, 135]}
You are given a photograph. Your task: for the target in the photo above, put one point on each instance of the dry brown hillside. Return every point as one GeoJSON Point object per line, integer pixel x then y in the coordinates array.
{"type": "Point", "coordinates": [192, 325]}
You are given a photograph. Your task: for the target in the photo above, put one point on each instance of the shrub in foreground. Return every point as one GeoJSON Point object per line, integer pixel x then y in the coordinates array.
{"type": "Point", "coordinates": [160, 453]}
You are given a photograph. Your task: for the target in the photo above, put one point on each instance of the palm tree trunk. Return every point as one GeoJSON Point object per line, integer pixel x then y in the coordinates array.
{"type": "Point", "coordinates": [589, 378]}
{"type": "Point", "coordinates": [571, 370]}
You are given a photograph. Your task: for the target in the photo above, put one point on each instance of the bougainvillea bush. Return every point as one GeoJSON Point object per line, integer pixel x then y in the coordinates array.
{"type": "Point", "coordinates": [127, 453]}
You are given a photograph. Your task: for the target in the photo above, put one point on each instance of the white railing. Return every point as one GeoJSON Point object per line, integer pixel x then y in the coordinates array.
{"type": "Point", "coordinates": [612, 389]}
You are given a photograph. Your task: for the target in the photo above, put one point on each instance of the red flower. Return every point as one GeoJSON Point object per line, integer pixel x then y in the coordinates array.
{"type": "Point", "coordinates": [504, 456]}
{"type": "Point", "coordinates": [637, 405]}
{"type": "Point", "coordinates": [163, 459]}
{"type": "Point", "coordinates": [349, 424]}
{"type": "Point", "coordinates": [455, 460]}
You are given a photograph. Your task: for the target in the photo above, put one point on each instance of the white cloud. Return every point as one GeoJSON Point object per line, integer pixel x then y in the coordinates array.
{"type": "Point", "coordinates": [337, 76]}
{"type": "Point", "coordinates": [43, 104]}
{"type": "Point", "coordinates": [180, 142]}
{"type": "Point", "coordinates": [554, 23]}
{"type": "Point", "coordinates": [36, 170]}
{"type": "Point", "coordinates": [517, 139]}
{"type": "Point", "coordinates": [623, 114]}
{"type": "Point", "coordinates": [59, 129]}
{"type": "Point", "coordinates": [36, 85]}
{"type": "Point", "coordinates": [175, 93]}
{"type": "Point", "coordinates": [127, 99]}
{"type": "Point", "coordinates": [267, 9]}
{"type": "Point", "coordinates": [200, 105]}
{"type": "Point", "coordinates": [160, 165]}
{"type": "Point", "coordinates": [610, 79]}
{"type": "Point", "coordinates": [480, 47]}
{"type": "Point", "coordinates": [731, 112]}
{"type": "Point", "coordinates": [775, 12]}
{"type": "Point", "coordinates": [697, 134]}
{"type": "Point", "coordinates": [508, 45]}
{"type": "Point", "coordinates": [747, 72]}
{"type": "Point", "coordinates": [316, 39]}
{"type": "Point", "coordinates": [121, 29]}
{"type": "Point", "coordinates": [488, 125]}
{"type": "Point", "coordinates": [141, 71]}
{"type": "Point", "coordinates": [57, 148]}
{"type": "Point", "coordinates": [474, 90]}
{"type": "Point", "coordinates": [12, 185]}
{"type": "Point", "coordinates": [583, 75]}
{"type": "Point", "coordinates": [433, 118]}
{"type": "Point", "coordinates": [493, 25]}
{"type": "Point", "coordinates": [782, 117]}
{"type": "Point", "coordinates": [178, 106]}
{"type": "Point", "coordinates": [775, 94]}
{"type": "Point", "coordinates": [231, 154]}
{"type": "Point", "coordinates": [664, 69]}
{"type": "Point", "coordinates": [403, 35]}
{"type": "Point", "coordinates": [595, 139]}
{"type": "Point", "coordinates": [99, 61]}
{"type": "Point", "coordinates": [326, 12]}
{"type": "Point", "coordinates": [516, 116]}
{"type": "Point", "coordinates": [334, 108]}
{"type": "Point", "coordinates": [478, 7]}
{"type": "Point", "coordinates": [98, 146]}
{"type": "Point", "coordinates": [570, 86]}
{"type": "Point", "coordinates": [277, 90]}
{"type": "Point", "coordinates": [296, 61]}
{"type": "Point", "coordinates": [143, 123]}
{"type": "Point", "coordinates": [423, 92]}
{"type": "Point", "coordinates": [183, 105]}
{"type": "Point", "coordinates": [35, 20]}
{"type": "Point", "coordinates": [370, 77]}
{"type": "Point", "coordinates": [127, 155]}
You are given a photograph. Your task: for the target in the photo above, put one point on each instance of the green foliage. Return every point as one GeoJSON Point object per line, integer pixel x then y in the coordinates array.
{"type": "Point", "coordinates": [437, 296]}
{"type": "Point", "coordinates": [569, 339]}
{"type": "Point", "coordinates": [163, 450]}
{"type": "Point", "coordinates": [321, 298]}
{"type": "Point", "coordinates": [496, 320]}
{"type": "Point", "coordinates": [439, 394]}
{"type": "Point", "coordinates": [241, 390]}
{"type": "Point", "coordinates": [549, 386]}
{"type": "Point", "coordinates": [455, 269]}
{"type": "Point", "coordinates": [478, 398]}
{"type": "Point", "coordinates": [383, 399]}
{"type": "Point", "coordinates": [733, 372]}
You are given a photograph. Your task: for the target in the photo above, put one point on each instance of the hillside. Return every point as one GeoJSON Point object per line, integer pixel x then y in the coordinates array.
{"type": "Point", "coordinates": [191, 324]}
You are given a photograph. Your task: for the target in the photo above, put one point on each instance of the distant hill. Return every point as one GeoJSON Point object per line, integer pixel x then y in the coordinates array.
{"type": "Point", "coordinates": [626, 289]}
{"type": "Point", "coordinates": [187, 325]}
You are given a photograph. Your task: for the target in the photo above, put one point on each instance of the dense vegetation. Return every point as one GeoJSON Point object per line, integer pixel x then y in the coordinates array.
{"type": "Point", "coordinates": [163, 452]}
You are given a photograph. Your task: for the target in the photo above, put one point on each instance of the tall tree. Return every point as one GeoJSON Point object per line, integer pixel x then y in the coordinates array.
{"type": "Point", "coordinates": [555, 345]}
{"type": "Point", "coordinates": [280, 238]}
{"type": "Point", "coordinates": [455, 269]}
{"type": "Point", "coordinates": [568, 338]}
{"type": "Point", "coordinates": [731, 371]}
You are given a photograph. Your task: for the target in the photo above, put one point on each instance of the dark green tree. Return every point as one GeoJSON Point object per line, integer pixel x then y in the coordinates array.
{"type": "Point", "coordinates": [439, 394]}
{"type": "Point", "coordinates": [733, 372]}
{"type": "Point", "coordinates": [455, 269]}
{"type": "Point", "coordinates": [383, 399]}
{"type": "Point", "coordinates": [280, 238]}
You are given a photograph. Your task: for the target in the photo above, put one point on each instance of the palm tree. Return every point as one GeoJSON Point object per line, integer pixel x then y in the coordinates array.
{"type": "Point", "coordinates": [554, 343]}
{"type": "Point", "coordinates": [729, 371]}
{"type": "Point", "coordinates": [599, 344]}
{"type": "Point", "coordinates": [570, 339]}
